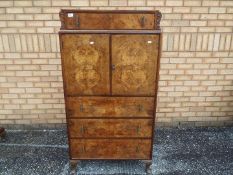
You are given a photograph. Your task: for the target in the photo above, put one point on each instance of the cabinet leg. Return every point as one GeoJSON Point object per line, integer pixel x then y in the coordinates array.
{"type": "Point", "coordinates": [73, 167]}
{"type": "Point", "coordinates": [148, 166]}
{"type": "Point", "coordinates": [2, 133]}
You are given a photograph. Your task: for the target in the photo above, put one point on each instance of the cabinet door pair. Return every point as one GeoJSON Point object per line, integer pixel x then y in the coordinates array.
{"type": "Point", "coordinates": [100, 64]}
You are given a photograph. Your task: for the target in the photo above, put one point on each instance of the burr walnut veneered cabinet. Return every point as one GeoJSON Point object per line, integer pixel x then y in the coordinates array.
{"type": "Point", "coordinates": [110, 62]}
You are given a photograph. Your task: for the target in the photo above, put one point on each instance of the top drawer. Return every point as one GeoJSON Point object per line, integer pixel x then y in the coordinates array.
{"type": "Point", "coordinates": [107, 20]}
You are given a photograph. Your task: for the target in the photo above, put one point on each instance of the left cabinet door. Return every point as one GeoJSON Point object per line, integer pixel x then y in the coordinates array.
{"type": "Point", "coordinates": [85, 64]}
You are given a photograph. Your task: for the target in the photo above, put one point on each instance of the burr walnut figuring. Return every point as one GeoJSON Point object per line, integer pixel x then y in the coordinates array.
{"type": "Point", "coordinates": [110, 62]}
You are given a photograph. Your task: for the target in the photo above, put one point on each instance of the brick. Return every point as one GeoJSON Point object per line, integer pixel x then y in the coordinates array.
{"type": "Point", "coordinates": [198, 23]}
{"type": "Point", "coordinates": [181, 9]}
{"type": "Point", "coordinates": [24, 17]}
{"type": "Point", "coordinates": [32, 10]}
{"type": "Point", "coordinates": [118, 2]}
{"type": "Point", "coordinates": [79, 3]}
{"type": "Point", "coordinates": [22, 3]}
{"type": "Point", "coordinates": [209, 16]}
{"type": "Point", "coordinates": [40, 3]}
{"type": "Point", "coordinates": [6, 3]}
{"type": "Point", "coordinates": [191, 16]}
{"type": "Point", "coordinates": [217, 10]}
{"type": "Point", "coordinates": [192, 3]}
{"type": "Point", "coordinates": [14, 10]}
{"type": "Point", "coordinates": [155, 3]}
{"type": "Point", "coordinates": [174, 3]}
{"type": "Point", "coordinates": [60, 3]}
{"type": "Point", "coordinates": [98, 2]}
{"type": "Point", "coordinates": [43, 17]}
{"type": "Point", "coordinates": [226, 3]}
{"type": "Point", "coordinates": [136, 2]}
{"type": "Point", "coordinates": [16, 23]}
{"type": "Point", "coordinates": [199, 10]}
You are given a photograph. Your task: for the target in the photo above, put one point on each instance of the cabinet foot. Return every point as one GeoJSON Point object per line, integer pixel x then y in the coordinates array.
{"type": "Point", "coordinates": [148, 166]}
{"type": "Point", "coordinates": [73, 167]}
{"type": "Point", "coordinates": [2, 133]}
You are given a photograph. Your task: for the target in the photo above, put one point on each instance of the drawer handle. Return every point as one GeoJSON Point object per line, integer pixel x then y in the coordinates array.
{"type": "Point", "coordinates": [77, 21]}
{"type": "Point", "coordinates": [142, 21]}
{"type": "Point", "coordinates": [137, 149]}
{"type": "Point", "coordinates": [81, 108]}
{"type": "Point", "coordinates": [83, 149]}
{"type": "Point", "coordinates": [140, 108]}
{"type": "Point", "coordinates": [138, 128]}
{"type": "Point", "coordinates": [83, 129]}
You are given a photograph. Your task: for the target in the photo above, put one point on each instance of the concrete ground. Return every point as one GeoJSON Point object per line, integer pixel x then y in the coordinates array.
{"type": "Point", "coordinates": [200, 151]}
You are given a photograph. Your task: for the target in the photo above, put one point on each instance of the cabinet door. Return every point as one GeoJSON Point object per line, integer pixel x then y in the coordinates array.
{"type": "Point", "coordinates": [85, 61]}
{"type": "Point", "coordinates": [134, 63]}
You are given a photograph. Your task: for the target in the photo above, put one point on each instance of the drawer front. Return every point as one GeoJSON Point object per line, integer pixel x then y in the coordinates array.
{"type": "Point", "coordinates": [101, 21]}
{"type": "Point", "coordinates": [102, 128]}
{"type": "Point", "coordinates": [110, 148]}
{"type": "Point", "coordinates": [109, 107]}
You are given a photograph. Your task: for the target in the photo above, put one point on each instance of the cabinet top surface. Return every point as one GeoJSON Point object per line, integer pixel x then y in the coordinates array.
{"type": "Point", "coordinates": [109, 11]}
{"type": "Point", "coordinates": [109, 31]}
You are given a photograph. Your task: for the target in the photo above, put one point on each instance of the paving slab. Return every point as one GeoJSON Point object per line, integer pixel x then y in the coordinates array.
{"type": "Point", "coordinates": [193, 151]}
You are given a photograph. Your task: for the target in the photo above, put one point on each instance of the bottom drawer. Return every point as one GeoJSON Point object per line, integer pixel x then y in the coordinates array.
{"type": "Point", "coordinates": [110, 148]}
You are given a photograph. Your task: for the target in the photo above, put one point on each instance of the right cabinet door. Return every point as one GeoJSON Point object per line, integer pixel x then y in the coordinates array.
{"type": "Point", "coordinates": [134, 64]}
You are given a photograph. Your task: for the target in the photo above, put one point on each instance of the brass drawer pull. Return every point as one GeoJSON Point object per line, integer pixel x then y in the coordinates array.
{"type": "Point", "coordinates": [140, 108]}
{"type": "Point", "coordinates": [83, 129]}
{"type": "Point", "coordinates": [137, 149]}
{"type": "Point", "coordinates": [83, 149]}
{"type": "Point", "coordinates": [81, 108]}
{"type": "Point", "coordinates": [77, 21]}
{"type": "Point", "coordinates": [138, 128]}
{"type": "Point", "coordinates": [142, 21]}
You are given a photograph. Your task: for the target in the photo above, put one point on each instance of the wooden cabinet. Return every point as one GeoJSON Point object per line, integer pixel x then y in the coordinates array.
{"type": "Point", "coordinates": [110, 62]}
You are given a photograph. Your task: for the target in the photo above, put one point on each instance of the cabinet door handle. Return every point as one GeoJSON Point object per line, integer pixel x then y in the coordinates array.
{"type": "Point", "coordinates": [113, 67]}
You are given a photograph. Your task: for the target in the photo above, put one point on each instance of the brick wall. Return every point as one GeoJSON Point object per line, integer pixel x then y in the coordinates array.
{"type": "Point", "coordinates": [196, 76]}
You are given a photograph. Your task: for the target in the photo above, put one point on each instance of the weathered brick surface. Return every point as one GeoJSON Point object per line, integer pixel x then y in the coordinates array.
{"type": "Point", "coordinates": [196, 65]}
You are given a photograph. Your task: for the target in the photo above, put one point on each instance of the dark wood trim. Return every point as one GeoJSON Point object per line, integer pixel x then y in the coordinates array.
{"type": "Point", "coordinates": [111, 31]}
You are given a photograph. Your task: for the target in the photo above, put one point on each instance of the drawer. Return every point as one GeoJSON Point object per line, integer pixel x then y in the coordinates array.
{"type": "Point", "coordinates": [107, 20]}
{"type": "Point", "coordinates": [110, 128]}
{"type": "Point", "coordinates": [109, 107]}
{"type": "Point", "coordinates": [110, 148]}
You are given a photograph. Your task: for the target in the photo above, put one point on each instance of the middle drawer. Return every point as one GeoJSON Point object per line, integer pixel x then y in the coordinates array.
{"type": "Point", "coordinates": [101, 128]}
